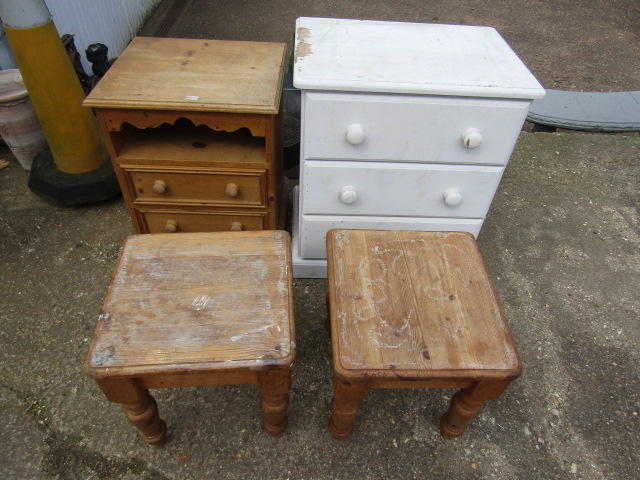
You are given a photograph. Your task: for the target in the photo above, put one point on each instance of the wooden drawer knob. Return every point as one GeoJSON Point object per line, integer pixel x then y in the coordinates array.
{"type": "Point", "coordinates": [159, 187]}
{"type": "Point", "coordinates": [452, 197]}
{"type": "Point", "coordinates": [171, 226]}
{"type": "Point", "coordinates": [236, 227]}
{"type": "Point", "coordinates": [471, 138]}
{"type": "Point", "coordinates": [231, 190]}
{"type": "Point", "coordinates": [355, 134]}
{"type": "Point", "coordinates": [348, 194]}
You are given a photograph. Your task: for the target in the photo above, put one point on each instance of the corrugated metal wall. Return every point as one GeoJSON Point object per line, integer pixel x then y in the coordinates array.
{"type": "Point", "coordinates": [112, 22]}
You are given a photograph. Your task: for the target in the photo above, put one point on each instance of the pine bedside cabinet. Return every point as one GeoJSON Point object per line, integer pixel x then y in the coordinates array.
{"type": "Point", "coordinates": [404, 126]}
{"type": "Point", "coordinates": [193, 128]}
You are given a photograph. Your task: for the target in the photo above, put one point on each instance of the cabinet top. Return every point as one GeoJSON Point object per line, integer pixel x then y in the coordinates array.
{"type": "Point", "coordinates": [413, 58]}
{"type": "Point", "coordinates": [194, 75]}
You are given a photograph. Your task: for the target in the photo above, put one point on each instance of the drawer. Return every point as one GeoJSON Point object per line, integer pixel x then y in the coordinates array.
{"type": "Point", "coordinates": [207, 187]}
{"type": "Point", "coordinates": [165, 221]}
{"type": "Point", "coordinates": [395, 189]}
{"type": "Point", "coordinates": [410, 128]}
{"type": "Point", "coordinates": [313, 228]}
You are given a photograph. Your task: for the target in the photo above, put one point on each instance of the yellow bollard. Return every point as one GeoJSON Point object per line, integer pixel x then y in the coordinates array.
{"type": "Point", "coordinates": [71, 130]}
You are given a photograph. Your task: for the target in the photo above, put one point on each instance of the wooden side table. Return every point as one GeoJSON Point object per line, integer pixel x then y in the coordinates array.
{"type": "Point", "coordinates": [193, 128]}
{"type": "Point", "coordinates": [197, 309]}
{"type": "Point", "coordinates": [414, 310]}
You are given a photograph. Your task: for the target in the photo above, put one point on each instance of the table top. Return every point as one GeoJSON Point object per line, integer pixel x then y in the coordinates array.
{"type": "Point", "coordinates": [194, 75]}
{"type": "Point", "coordinates": [411, 58]}
{"type": "Point", "coordinates": [416, 305]}
{"type": "Point", "coordinates": [197, 302]}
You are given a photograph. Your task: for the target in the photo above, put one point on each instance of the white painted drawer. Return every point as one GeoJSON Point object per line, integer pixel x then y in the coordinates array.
{"type": "Point", "coordinates": [397, 189]}
{"type": "Point", "coordinates": [410, 128]}
{"type": "Point", "coordinates": [313, 228]}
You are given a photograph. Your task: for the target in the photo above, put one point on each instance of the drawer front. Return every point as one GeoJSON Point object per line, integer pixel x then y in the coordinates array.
{"type": "Point", "coordinates": [371, 188]}
{"type": "Point", "coordinates": [313, 228]}
{"type": "Point", "coordinates": [410, 128]}
{"type": "Point", "coordinates": [166, 221]}
{"type": "Point", "coordinates": [201, 187]}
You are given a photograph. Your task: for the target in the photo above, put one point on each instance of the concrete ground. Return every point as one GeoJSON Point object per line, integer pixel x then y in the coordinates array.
{"type": "Point", "coordinates": [561, 243]}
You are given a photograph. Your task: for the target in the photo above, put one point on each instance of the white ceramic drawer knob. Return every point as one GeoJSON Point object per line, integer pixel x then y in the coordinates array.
{"type": "Point", "coordinates": [236, 227]}
{"type": "Point", "coordinates": [356, 134]}
{"type": "Point", "coordinates": [171, 226]}
{"type": "Point", "coordinates": [348, 194]}
{"type": "Point", "coordinates": [452, 197]}
{"type": "Point", "coordinates": [231, 190]}
{"type": "Point", "coordinates": [471, 138]}
{"type": "Point", "coordinates": [159, 187]}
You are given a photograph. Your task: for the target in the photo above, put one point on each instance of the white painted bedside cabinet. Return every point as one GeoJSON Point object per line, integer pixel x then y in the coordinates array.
{"type": "Point", "coordinates": [405, 126]}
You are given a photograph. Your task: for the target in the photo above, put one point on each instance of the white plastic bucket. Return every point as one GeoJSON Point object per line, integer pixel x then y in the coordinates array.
{"type": "Point", "coordinates": [19, 126]}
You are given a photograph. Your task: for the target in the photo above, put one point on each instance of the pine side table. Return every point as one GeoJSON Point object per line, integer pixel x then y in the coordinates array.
{"type": "Point", "coordinates": [197, 309]}
{"type": "Point", "coordinates": [193, 128]}
{"type": "Point", "coordinates": [414, 309]}
{"type": "Point", "coordinates": [405, 126]}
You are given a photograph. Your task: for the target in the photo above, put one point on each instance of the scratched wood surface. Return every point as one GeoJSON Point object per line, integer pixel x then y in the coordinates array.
{"type": "Point", "coordinates": [199, 301]}
{"type": "Point", "coordinates": [415, 305]}
{"type": "Point", "coordinates": [194, 74]}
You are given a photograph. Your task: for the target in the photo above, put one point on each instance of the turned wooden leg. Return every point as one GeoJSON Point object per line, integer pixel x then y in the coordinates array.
{"type": "Point", "coordinates": [465, 406]}
{"type": "Point", "coordinates": [345, 405]}
{"type": "Point", "coordinates": [140, 408]}
{"type": "Point", "coordinates": [274, 386]}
